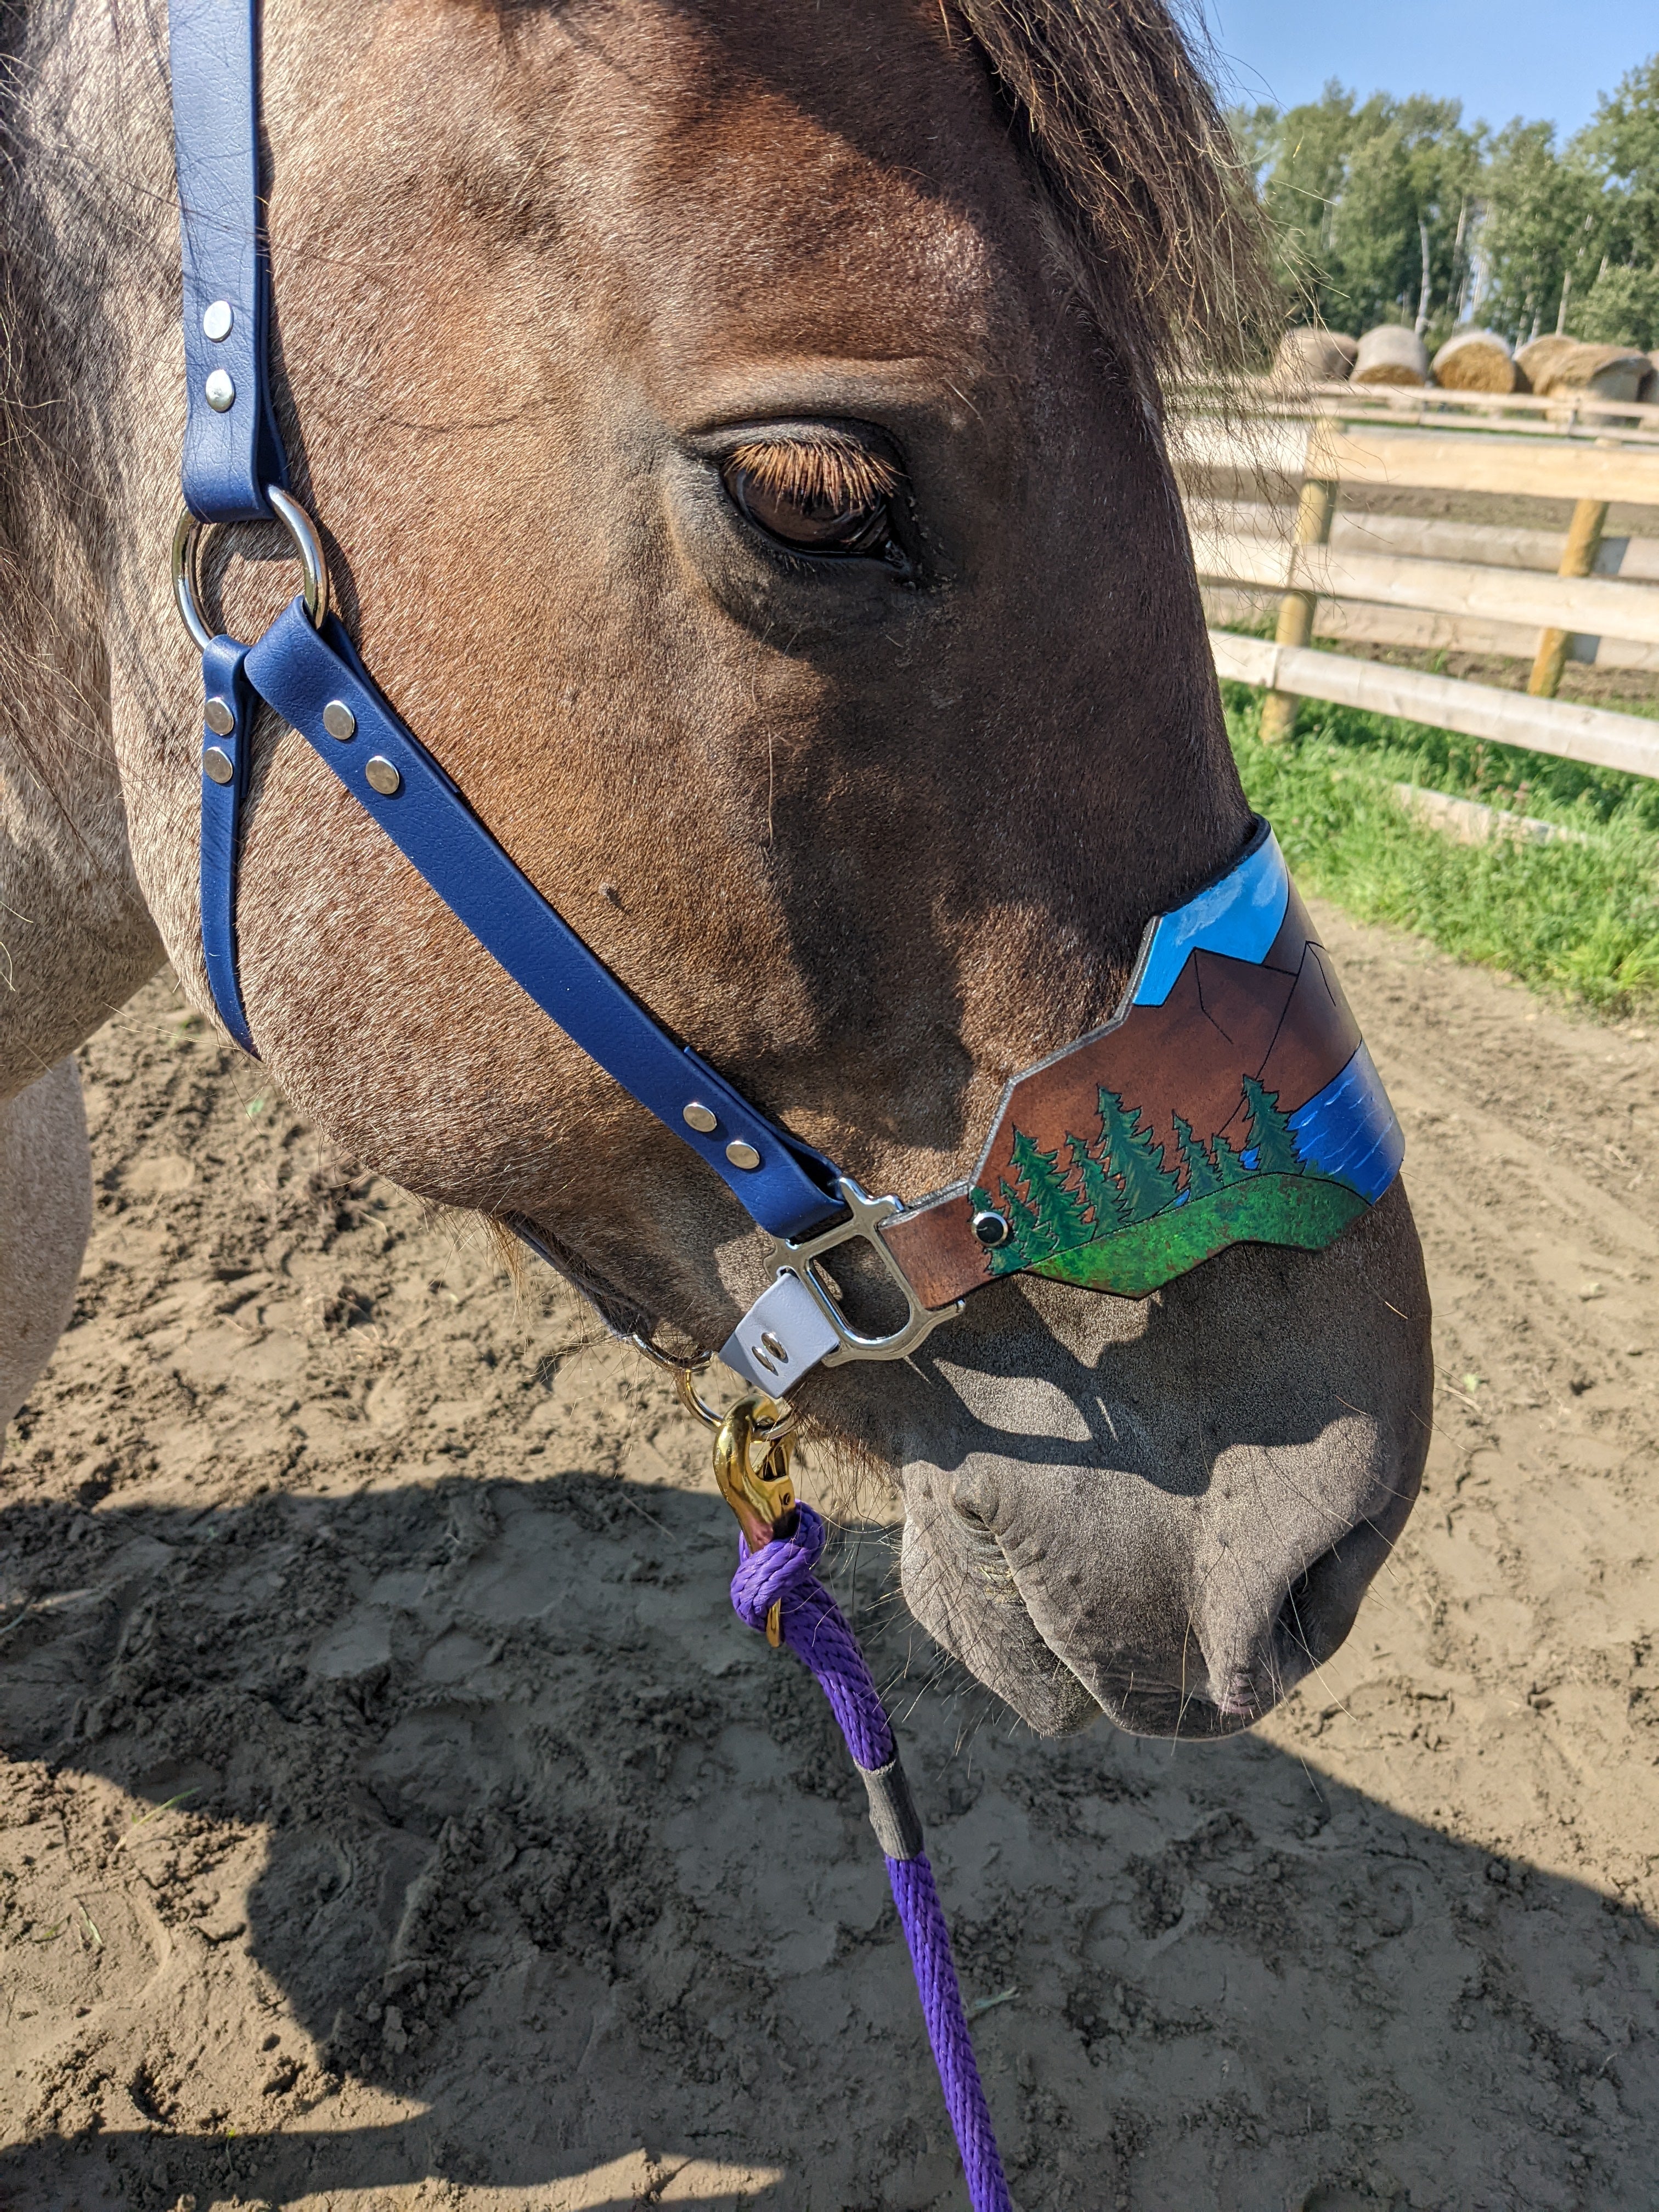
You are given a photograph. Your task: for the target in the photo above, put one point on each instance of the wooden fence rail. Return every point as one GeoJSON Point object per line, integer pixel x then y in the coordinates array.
{"type": "Point", "coordinates": [1383, 571]}
{"type": "Point", "coordinates": [1445, 703]}
{"type": "Point", "coordinates": [1424, 460]}
{"type": "Point", "coordinates": [1582, 413]}
{"type": "Point", "coordinates": [1455, 587]}
{"type": "Point", "coordinates": [1497, 549]}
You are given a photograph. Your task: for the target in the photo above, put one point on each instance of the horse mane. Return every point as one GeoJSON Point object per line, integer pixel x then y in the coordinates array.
{"type": "Point", "coordinates": [1123, 135]}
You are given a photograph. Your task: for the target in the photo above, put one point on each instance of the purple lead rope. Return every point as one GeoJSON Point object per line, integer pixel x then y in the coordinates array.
{"type": "Point", "coordinates": [815, 1630]}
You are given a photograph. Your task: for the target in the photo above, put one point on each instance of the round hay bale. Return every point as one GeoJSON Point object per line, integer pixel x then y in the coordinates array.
{"type": "Point", "coordinates": [1475, 360]}
{"type": "Point", "coordinates": [1314, 356]}
{"type": "Point", "coordinates": [1391, 354]}
{"type": "Point", "coordinates": [1536, 361]}
{"type": "Point", "coordinates": [1610, 372]}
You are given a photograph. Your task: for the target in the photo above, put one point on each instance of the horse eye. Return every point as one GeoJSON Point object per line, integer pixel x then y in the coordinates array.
{"type": "Point", "coordinates": [820, 511]}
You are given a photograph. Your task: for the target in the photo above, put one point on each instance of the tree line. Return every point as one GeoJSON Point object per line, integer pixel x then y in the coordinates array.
{"type": "Point", "coordinates": [1396, 210]}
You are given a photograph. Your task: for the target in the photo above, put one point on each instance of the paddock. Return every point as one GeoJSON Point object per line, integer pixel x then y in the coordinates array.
{"type": "Point", "coordinates": [395, 1817]}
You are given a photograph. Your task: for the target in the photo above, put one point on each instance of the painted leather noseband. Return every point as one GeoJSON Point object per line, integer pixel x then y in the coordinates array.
{"type": "Point", "coordinates": [1229, 1100]}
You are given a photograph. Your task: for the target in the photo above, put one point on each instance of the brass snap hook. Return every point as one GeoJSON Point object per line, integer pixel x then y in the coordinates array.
{"type": "Point", "coordinates": [762, 1497]}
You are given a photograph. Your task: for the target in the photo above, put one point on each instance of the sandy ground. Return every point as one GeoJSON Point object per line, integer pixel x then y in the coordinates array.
{"type": "Point", "coordinates": [396, 1818]}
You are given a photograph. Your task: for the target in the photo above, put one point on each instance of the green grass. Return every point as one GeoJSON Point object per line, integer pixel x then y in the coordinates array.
{"type": "Point", "coordinates": [1582, 919]}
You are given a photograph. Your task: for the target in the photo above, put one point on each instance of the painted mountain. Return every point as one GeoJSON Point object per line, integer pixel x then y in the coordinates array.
{"type": "Point", "coordinates": [1243, 1108]}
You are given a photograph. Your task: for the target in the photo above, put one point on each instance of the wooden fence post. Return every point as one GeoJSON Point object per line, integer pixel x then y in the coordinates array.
{"type": "Point", "coordinates": [1583, 543]}
{"type": "Point", "coordinates": [1296, 609]}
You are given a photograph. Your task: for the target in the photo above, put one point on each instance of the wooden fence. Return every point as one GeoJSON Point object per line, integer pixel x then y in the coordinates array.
{"type": "Point", "coordinates": [1403, 579]}
{"type": "Point", "coordinates": [1561, 414]}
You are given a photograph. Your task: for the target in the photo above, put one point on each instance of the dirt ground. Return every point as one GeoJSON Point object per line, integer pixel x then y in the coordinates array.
{"type": "Point", "coordinates": [395, 1817]}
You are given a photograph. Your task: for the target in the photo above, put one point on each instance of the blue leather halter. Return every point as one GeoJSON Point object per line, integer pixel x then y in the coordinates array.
{"type": "Point", "coordinates": [306, 668]}
{"type": "Point", "coordinates": [309, 673]}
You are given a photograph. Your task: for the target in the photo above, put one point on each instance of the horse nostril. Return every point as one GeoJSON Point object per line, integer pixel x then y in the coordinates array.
{"type": "Point", "coordinates": [1237, 1697]}
{"type": "Point", "coordinates": [1319, 1607]}
{"type": "Point", "coordinates": [977, 1524]}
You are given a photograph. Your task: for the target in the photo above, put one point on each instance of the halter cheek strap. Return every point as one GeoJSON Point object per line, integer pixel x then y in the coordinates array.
{"type": "Point", "coordinates": [1229, 1100]}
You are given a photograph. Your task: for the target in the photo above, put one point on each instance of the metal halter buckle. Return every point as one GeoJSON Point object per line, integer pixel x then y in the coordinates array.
{"type": "Point", "coordinates": [797, 1322]}
{"type": "Point", "coordinates": [308, 550]}
{"type": "Point", "coordinates": [798, 1258]}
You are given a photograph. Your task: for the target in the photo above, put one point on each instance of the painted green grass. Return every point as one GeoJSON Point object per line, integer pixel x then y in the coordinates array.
{"type": "Point", "coordinates": [1578, 919]}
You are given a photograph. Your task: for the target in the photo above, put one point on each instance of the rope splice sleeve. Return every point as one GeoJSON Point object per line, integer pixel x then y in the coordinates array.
{"type": "Point", "coordinates": [893, 1813]}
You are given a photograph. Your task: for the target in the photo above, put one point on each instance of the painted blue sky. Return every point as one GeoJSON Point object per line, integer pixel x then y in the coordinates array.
{"type": "Point", "coordinates": [1500, 58]}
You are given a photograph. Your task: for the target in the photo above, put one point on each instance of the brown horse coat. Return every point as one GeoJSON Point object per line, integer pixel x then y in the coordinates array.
{"type": "Point", "coordinates": [872, 832]}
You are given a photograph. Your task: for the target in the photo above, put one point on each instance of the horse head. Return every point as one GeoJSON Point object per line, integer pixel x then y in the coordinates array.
{"type": "Point", "coordinates": [737, 432]}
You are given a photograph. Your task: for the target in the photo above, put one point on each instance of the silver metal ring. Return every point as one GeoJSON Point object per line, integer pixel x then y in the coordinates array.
{"type": "Point", "coordinates": [308, 550]}
{"type": "Point", "coordinates": [685, 1372]}
{"type": "Point", "coordinates": [667, 1360]}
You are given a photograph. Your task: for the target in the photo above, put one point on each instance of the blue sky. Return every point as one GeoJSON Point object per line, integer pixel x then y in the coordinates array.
{"type": "Point", "coordinates": [1500, 58]}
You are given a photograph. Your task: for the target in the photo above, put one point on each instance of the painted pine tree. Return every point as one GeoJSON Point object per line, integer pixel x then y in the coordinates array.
{"type": "Point", "coordinates": [1023, 1233]}
{"type": "Point", "coordinates": [1050, 1215]}
{"type": "Point", "coordinates": [1272, 1137]}
{"type": "Point", "coordinates": [1130, 1154]}
{"type": "Point", "coordinates": [1202, 1179]}
{"type": "Point", "coordinates": [1100, 1194]}
{"type": "Point", "coordinates": [1228, 1164]}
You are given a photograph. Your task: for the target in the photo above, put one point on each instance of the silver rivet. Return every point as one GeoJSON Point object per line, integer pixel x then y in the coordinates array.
{"type": "Point", "coordinates": [760, 1359]}
{"type": "Point", "coordinates": [218, 717]}
{"type": "Point", "coordinates": [992, 1229]}
{"type": "Point", "coordinates": [382, 776]}
{"type": "Point", "coordinates": [216, 764]}
{"type": "Point", "coordinates": [219, 392]}
{"type": "Point", "coordinates": [699, 1117]}
{"type": "Point", "coordinates": [339, 721]}
{"type": "Point", "coordinates": [774, 1347]}
{"type": "Point", "coordinates": [742, 1155]}
{"type": "Point", "coordinates": [218, 321]}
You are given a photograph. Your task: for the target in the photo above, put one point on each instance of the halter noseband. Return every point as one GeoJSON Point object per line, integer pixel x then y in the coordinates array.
{"type": "Point", "coordinates": [1229, 1098]}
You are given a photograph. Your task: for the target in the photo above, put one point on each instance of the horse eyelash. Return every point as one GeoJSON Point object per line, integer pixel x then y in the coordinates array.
{"type": "Point", "coordinates": [835, 472]}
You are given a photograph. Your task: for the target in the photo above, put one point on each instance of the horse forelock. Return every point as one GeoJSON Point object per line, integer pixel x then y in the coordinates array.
{"type": "Point", "coordinates": [1116, 119]}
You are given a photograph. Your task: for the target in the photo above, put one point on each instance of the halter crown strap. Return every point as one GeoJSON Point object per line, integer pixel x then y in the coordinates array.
{"type": "Point", "coordinates": [233, 451]}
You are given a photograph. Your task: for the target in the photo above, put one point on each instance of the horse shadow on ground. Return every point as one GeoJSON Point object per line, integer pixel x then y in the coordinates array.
{"type": "Point", "coordinates": [452, 1837]}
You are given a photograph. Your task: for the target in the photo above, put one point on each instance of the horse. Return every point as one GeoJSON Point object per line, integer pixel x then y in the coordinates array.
{"type": "Point", "coordinates": [737, 437]}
